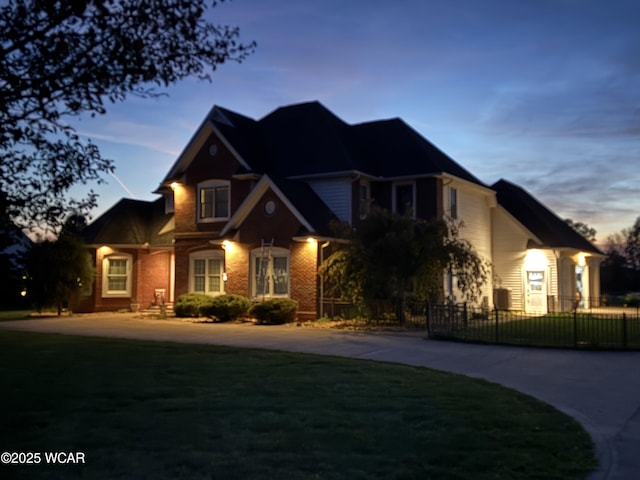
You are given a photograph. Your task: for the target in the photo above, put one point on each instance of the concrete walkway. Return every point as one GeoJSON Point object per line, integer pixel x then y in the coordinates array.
{"type": "Point", "coordinates": [599, 389]}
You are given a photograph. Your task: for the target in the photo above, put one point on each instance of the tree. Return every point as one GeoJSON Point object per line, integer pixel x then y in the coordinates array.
{"type": "Point", "coordinates": [60, 59]}
{"type": "Point", "coordinates": [632, 246]}
{"type": "Point", "coordinates": [390, 255]}
{"type": "Point", "coordinates": [583, 229]}
{"type": "Point", "coordinates": [57, 270]}
{"type": "Point", "coordinates": [620, 271]}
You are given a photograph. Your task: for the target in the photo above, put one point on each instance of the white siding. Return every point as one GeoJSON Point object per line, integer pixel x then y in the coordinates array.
{"type": "Point", "coordinates": [474, 212]}
{"type": "Point", "coordinates": [509, 251]}
{"type": "Point", "coordinates": [336, 193]}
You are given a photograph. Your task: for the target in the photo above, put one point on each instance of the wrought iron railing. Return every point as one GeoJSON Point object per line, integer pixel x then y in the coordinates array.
{"type": "Point", "coordinates": [595, 328]}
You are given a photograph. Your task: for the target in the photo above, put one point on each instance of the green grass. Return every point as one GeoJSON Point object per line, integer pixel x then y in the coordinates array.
{"type": "Point", "coordinates": [558, 330]}
{"type": "Point", "coordinates": [14, 315]}
{"type": "Point", "coordinates": [147, 410]}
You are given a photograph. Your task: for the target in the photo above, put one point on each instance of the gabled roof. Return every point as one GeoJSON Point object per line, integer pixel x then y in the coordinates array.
{"type": "Point", "coordinates": [307, 139]}
{"type": "Point", "coordinates": [312, 213]}
{"type": "Point", "coordinates": [391, 148]}
{"type": "Point", "coordinates": [133, 223]}
{"type": "Point", "coordinates": [539, 220]}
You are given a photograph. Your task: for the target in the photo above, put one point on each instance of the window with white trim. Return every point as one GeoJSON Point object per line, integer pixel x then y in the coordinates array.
{"type": "Point", "coordinates": [404, 199]}
{"type": "Point", "coordinates": [213, 200]}
{"type": "Point", "coordinates": [206, 273]}
{"type": "Point", "coordinates": [116, 275]}
{"type": "Point", "coordinates": [270, 272]}
{"type": "Point", "coordinates": [453, 203]}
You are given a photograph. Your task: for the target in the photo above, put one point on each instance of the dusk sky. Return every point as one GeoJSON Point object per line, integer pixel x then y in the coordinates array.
{"type": "Point", "coordinates": [543, 93]}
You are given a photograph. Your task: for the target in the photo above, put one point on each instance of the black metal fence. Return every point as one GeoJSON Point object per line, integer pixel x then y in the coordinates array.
{"type": "Point", "coordinates": [599, 329]}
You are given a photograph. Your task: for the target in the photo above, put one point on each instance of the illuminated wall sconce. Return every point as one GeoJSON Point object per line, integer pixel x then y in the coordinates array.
{"type": "Point", "coordinates": [228, 246]}
{"type": "Point", "coordinates": [535, 260]}
{"type": "Point", "coordinates": [174, 185]}
{"type": "Point", "coordinates": [582, 259]}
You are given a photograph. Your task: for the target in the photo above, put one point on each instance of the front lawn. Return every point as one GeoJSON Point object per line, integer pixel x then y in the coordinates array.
{"type": "Point", "coordinates": [148, 410]}
{"type": "Point", "coordinates": [565, 330]}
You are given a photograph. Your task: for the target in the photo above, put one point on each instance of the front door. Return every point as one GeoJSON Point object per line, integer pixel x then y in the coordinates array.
{"type": "Point", "coordinates": [535, 292]}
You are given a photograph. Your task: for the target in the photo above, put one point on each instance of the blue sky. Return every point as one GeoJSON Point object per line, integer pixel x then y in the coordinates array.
{"type": "Point", "coordinates": [543, 93]}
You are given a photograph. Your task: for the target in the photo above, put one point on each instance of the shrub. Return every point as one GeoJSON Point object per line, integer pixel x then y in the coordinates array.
{"type": "Point", "coordinates": [191, 304]}
{"type": "Point", "coordinates": [276, 311]}
{"type": "Point", "coordinates": [226, 307]}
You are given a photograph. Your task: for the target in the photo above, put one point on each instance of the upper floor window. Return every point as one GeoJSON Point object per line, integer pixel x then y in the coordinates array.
{"type": "Point", "coordinates": [206, 273]}
{"type": "Point", "coordinates": [404, 199]}
{"type": "Point", "coordinates": [116, 276]}
{"type": "Point", "coordinates": [453, 203]}
{"type": "Point", "coordinates": [270, 272]}
{"type": "Point", "coordinates": [364, 194]}
{"type": "Point", "coordinates": [213, 200]}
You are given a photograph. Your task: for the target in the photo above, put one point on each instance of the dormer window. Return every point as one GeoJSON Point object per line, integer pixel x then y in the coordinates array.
{"type": "Point", "coordinates": [213, 200]}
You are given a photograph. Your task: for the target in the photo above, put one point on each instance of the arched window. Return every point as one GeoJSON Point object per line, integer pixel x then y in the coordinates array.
{"type": "Point", "coordinates": [270, 272]}
{"type": "Point", "coordinates": [206, 270]}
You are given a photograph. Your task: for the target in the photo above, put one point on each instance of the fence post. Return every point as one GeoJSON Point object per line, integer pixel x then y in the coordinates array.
{"type": "Point", "coordinates": [497, 312]}
{"type": "Point", "coordinates": [625, 338]}
{"type": "Point", "coordinates": [428, 319]}
{"type": "Point", "coordinates": [465, 317]}
{"type": "Point", "coordinates": [575, 328]}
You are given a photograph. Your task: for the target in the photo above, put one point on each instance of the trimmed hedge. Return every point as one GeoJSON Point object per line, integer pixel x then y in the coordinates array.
{"type": "Point", "coordinates": [275, 311]}
{"type": "Point", "coordinates": [226, 307]}
{"type": "Point", "coordinates": [191, 304]}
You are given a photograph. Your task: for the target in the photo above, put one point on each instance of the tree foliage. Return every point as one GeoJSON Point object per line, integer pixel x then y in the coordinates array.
{"type": "Point", "coordinates": [60, 59]}
{"type": "Point", "coordinates": [621, 269]}
{"type": "Point", "coordinates": [391, 255]}
{"type": "Point", "coordinates": [57, 270]}
{"type": "Point", "coordinates": [583, 229]}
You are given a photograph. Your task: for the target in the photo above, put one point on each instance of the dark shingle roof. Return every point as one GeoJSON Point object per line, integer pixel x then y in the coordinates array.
{"type": "Point", "coordinates": [131, 222]}
{"type": "Point", "coordinates": [539, 220]}
{"type": "Point", "coordinates": [310, 206]}
{"type": "Point", "coordinates": [305, 139]}
{"type": "Point", "coordinates": [391, 148]}
{"type": "Point", "coordinates": [308, 139]}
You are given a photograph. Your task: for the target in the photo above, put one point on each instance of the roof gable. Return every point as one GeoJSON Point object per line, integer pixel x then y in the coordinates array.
{"type": "Point", "coordinates": [307, 139]}
{"type": "Point", "coordinates": [539, 220]}
{"type": "Point", "coordinates": [299, 198]}
{"type": "Point", "coordinates": [131, 222]}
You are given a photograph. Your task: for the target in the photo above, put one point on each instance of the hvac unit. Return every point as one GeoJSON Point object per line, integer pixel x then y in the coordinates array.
{"type": "Point", "coordinates": [502, 298]}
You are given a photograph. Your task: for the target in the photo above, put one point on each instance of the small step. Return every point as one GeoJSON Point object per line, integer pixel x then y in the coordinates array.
{"type": "Point", "coordinates": [156, 311]}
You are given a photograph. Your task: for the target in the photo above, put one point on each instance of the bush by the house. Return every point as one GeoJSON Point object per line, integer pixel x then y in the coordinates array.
{"type": "Point", "coordinates": [226, 307]}
{"type": "Point", "coordinates": [192, 304]}
{"type": "Point", "coordinates": [276, 310]}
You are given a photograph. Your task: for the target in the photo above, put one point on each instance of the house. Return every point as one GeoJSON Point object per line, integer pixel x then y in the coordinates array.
{"type": "Point", "coordinates": [247, 209]}
{"type": "Point", "coordinates": [559, 269]}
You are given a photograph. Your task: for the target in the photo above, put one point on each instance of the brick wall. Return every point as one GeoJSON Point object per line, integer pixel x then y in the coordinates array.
{"type": "Point", "coordinates": [153, 271]}
{"type": "Point", "coordinates": [304, 279]}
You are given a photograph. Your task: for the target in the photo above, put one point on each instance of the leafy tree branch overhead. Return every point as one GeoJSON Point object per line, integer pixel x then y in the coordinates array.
{"type": "Point", "coordinates": [60, 59]}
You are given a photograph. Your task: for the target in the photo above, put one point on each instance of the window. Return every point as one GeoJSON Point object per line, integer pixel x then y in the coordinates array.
{"type": "Point", "coordinates": [116, 276]}
{"type": "Point", "coordinates": [206, 273]}
{"type": "Point", "coordinates": [364, 200]}
{"type": "Point", "coordinates": [213, 200]}
{"type": "Point", "coordinates": [453, 203]}
{"type": "Point", "coordinates": [270, 272]}
{"type": "Point", "coordinates": [404, 199]}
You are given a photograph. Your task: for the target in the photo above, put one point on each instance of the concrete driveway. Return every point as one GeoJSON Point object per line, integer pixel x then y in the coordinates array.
{"type": "Point", "coordinates": [599, 389]}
